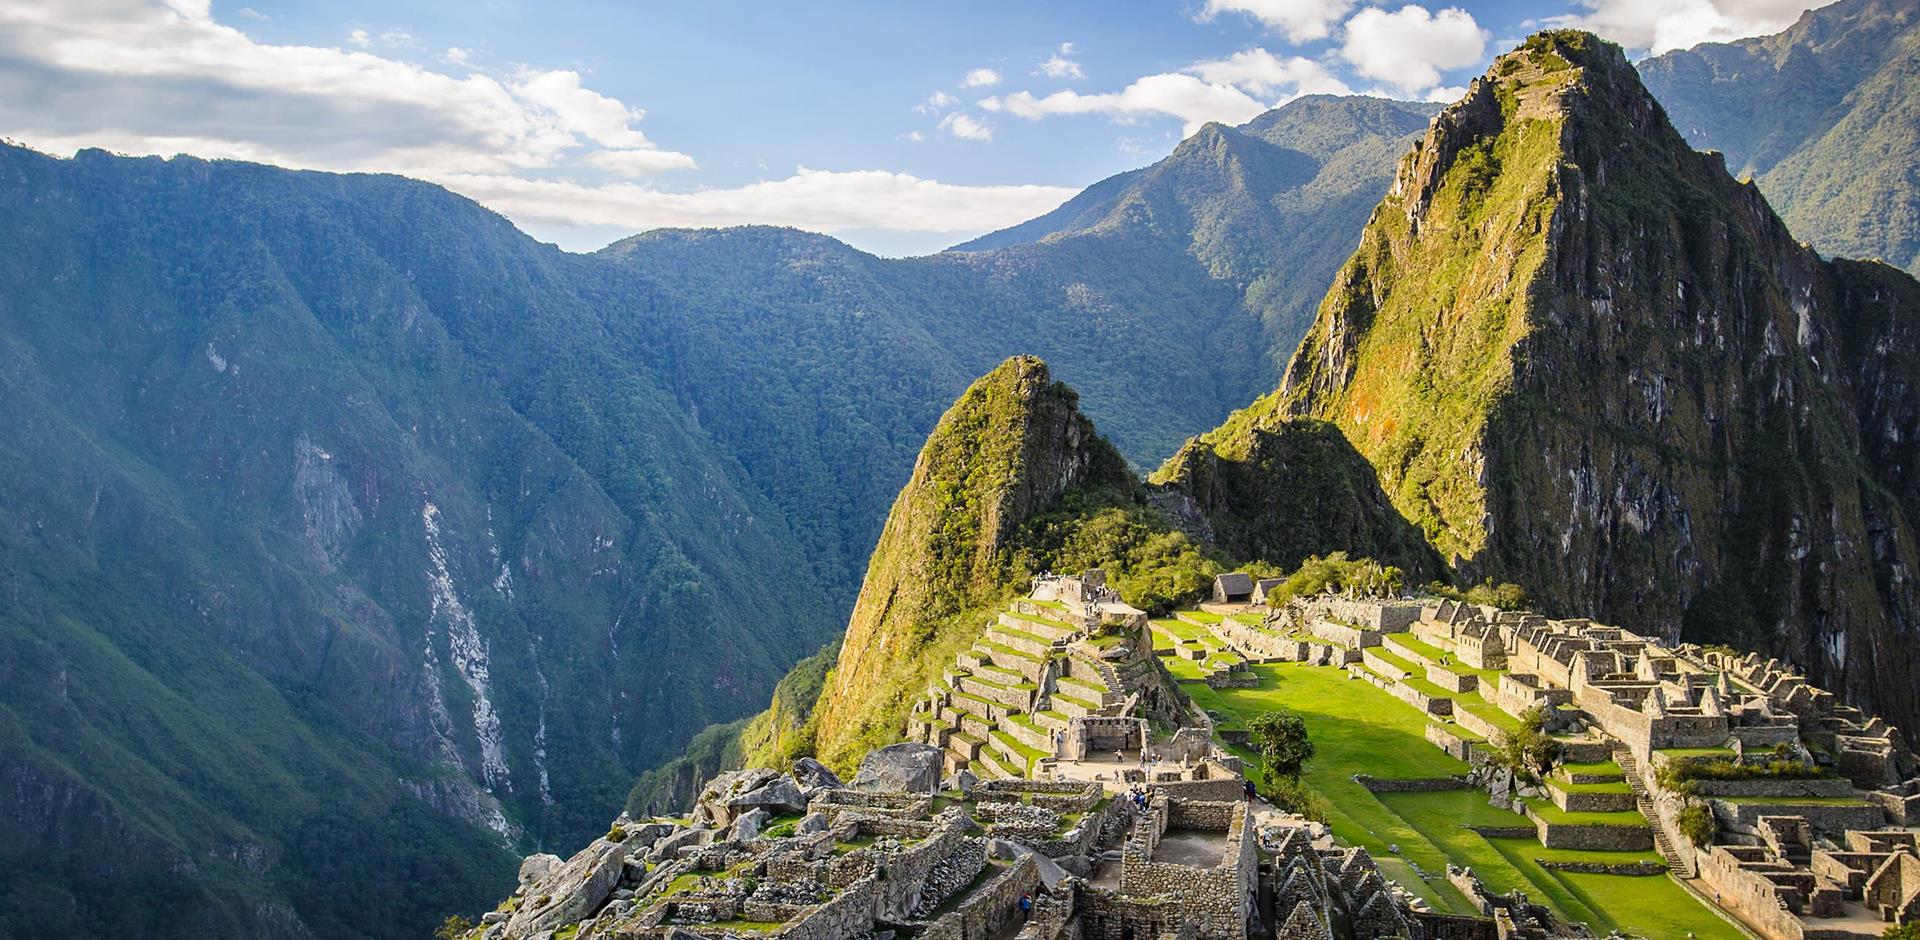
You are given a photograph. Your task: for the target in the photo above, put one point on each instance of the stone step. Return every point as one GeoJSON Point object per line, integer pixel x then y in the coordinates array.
{"type": "Point", "coordinates": [1005, 694]}
{"type": "Point", "coordinates": [1052, 720]}
{"type": "Point", "coordinates": [1081, 688]}
{"type": "Point", "coordinates": [1045, 629]}
{"type": "Point", "coordinates": [1007, 659]}
{"type": "Point", "coordinates": [1028, 732]}
{"type": "Point", "coordinates": [994, 672]}
{"type": "Point", "coordinates": [1073, 707]}
{"type": "Point", "coordinates": [991, 766]}
{"type": "Point", "coordinates": [1026, 642]}
{"type": "Point", "coordinates": [1014, 755]}
{"type": "Point", "coordinates": [965, 746]}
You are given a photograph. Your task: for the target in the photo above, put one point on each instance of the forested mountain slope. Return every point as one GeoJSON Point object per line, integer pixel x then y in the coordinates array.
{"type": "Point", "coordinates": [1824, 115]}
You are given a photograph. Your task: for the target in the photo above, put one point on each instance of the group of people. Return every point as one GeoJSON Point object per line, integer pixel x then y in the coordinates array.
{"type": "Point", "coordinates": [1138, 794]}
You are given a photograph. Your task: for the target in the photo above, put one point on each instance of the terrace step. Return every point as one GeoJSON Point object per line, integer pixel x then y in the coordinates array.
{"type": "Point", "coordinates": [1045, 629]}
{"type": "Point", "coordinates": [1643, 801]}
{"type": "Point", "coordinates": [1026, 642]}
{"type": "Point", "coordinates": [991, 766]}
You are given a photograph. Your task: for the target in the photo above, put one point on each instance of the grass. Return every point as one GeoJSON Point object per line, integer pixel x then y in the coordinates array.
{"type": "Point", "coordinates": [1357, 728]}
{"type": "Point", "coordinates": [1605, 768]}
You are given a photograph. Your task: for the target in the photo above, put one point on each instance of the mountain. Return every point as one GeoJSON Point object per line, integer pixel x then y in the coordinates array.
{"type": "Point", "coordinates": [1822, 115]}
{"type": "Point", "coordinates": [354, 542]}
{"type": "Point", "coordinates": [1263, 206]}
{"type": "Point", "coordinates": [1583, 358]}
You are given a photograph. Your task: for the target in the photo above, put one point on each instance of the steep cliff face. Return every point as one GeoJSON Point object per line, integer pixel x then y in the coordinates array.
{"type": "Point", "coordinates": [1583, 358]}
{"type": "Point", "coordinates": [1012, 447]}
{"type": "Point", "coordinates": [1821, 115]}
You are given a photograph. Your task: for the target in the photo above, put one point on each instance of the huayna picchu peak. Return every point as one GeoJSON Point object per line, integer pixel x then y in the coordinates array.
{"type": "Point", "coordinates": [1346, 518]}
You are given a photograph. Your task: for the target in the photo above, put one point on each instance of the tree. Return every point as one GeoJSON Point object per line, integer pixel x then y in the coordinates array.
{"type": "Point", "coordinates": [1698, 825]}
{"type": "Point", "coordinates": [1281, 737]}
{"type": "Point", "coordinates": [1528, 751]}
{"type": "Point", "coordinates": [1903, 932]}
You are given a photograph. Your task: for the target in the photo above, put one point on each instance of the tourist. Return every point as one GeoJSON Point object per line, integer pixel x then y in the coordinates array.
{"type": "Point", "coordinates": [1026, 906]}
{"type": "Point", "coordinates": [1251, 793]}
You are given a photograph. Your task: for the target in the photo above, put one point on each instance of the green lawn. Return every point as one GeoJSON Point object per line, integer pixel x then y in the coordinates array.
{"type": "Point", "coordinates": [1358, 728]}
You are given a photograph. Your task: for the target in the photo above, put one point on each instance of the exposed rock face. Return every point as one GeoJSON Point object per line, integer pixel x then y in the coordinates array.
{"type": "Point", "coordinates": [1583, 358]}
{"type": "Point", "coordinates": [810, 774]}
{"type": "Point", "coordinates": [1011, 447]}
{"type": "Point", "coordinates": [907, 766]}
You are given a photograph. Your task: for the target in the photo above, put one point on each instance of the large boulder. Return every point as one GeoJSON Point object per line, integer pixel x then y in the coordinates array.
{"type": "Point", "coordinates": [908, 766]}
{"type": "Point", "coordinates": [810, 824]}
{"type": "Point", "coordinates": [779, 797]}
{"type": "Point", "coordinates": [570, 892]}
{"type": "Point", "coordinates": [812, 775]}
{"type": "Point", "coordinates": [712, 804]}
{"type": "Point", "coordinates": [749, 825]}
{"type": "Point", "coordinates": [670, 846]}
{"type": "Point", "coordinates": [537, 867]}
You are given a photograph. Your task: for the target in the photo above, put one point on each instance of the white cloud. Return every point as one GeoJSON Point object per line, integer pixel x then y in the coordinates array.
{"type": "Point", "coordinates": [397, 39]}
{"type": "Point", "coordinates": [1299, 20]}
{"type": "Point", "coordinates": [360, 38]}
{"type": "Point", "coordinates": [1410, 48]}
{"type": "Point", "coordinates": [980, 78]}
{"type": "Point", "coordinates": [965, 127]}
{"type": "Point", "coordinates": [457, 56]}
{"type": "Point", "coordinates": [1664, 25]}
{"type": "Point", "coordinates": [639, 162]}
{"type": "Point", "coordinates": [147, 77]}
{"type": "Point", "coordinates": [1190, 99]}
{"type": "Point", "coordinates": [253, 14]}
{"type": "Point", "coordinates": [937, 102]}
{"type": "Point", "coordinates": [816, 200]}
{"type": "Point", "coordinates": [1260, 72]}
{"type": "Point", "coordinates": [1059, 66]}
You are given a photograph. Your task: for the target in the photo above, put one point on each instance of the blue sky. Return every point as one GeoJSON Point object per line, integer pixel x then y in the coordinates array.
{"type": "Point", "coordinates": [901, 127]}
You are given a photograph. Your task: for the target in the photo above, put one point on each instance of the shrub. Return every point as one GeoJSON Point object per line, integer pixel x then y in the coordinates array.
{"type": "Point", "coordinates": [1292, 796]}
{"type": "Point", "coordinates": [453, 928]}
{"type": "Point", "coordinates": [617, 834]}
{"type": "Point", "coordinates": [1698, 825]}
{"type": "Point", "coordinates": [1505, 595]}
{"type": "Point", "coordinates": [1337, 573]}
{"type": "Point", "coordinates": [1903, 932]}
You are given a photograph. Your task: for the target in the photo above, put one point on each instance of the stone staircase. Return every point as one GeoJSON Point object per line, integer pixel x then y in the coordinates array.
{"type": "Point", "coordinates": [996, 709]}
{"type": "Point", "coordinates": [1643, 801]}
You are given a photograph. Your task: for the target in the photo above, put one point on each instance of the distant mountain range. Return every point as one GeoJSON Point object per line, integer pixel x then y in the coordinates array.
{"type": "Point", "coordinates": [1823, 116]}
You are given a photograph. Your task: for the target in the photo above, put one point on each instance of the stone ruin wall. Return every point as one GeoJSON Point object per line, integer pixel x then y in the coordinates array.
{"type": "Point", "coordinates": [988, 911]}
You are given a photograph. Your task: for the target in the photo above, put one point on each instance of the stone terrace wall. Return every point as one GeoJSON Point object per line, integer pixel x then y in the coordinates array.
{"type": "Point", "coordinates": [987, 912]}
{"type": "Point", "coordinates": [1749, 895]}
{"type": "Point", "coordinates": [849, 914]}
{"type": "Point", "coordinates": [1226, 789]}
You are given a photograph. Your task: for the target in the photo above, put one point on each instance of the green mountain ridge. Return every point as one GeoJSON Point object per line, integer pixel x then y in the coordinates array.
{"type": "Point", "coordinates": [1821, 115]}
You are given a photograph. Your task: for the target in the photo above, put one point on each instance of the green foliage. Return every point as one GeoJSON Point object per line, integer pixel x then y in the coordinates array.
{"type": "Point", "coordinates": [1678, 775]}
{"type": "Point", "coordinates": [1527, 750]}
{"type": "Point", "coordinates": [1281, 738]}
{"type": "Point", "coordinates": [1505, 595]}
{"type": "Point", "coordinates": [1291, 795]}
{"type": "Point", "coordinates": [1698, 825]}
{"type": "Point", "coordinates": [1910, 931]}
{"type": "Point", "coordinates": [455, 927]}
{"type": "Point", "coordinates": [1338, 574]}
{"type": "Point", "coordinates": [1153, 566]}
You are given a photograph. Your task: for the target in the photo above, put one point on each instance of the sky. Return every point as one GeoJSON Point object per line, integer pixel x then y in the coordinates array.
{"type": "Point", "coordinates": [900, 127]}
